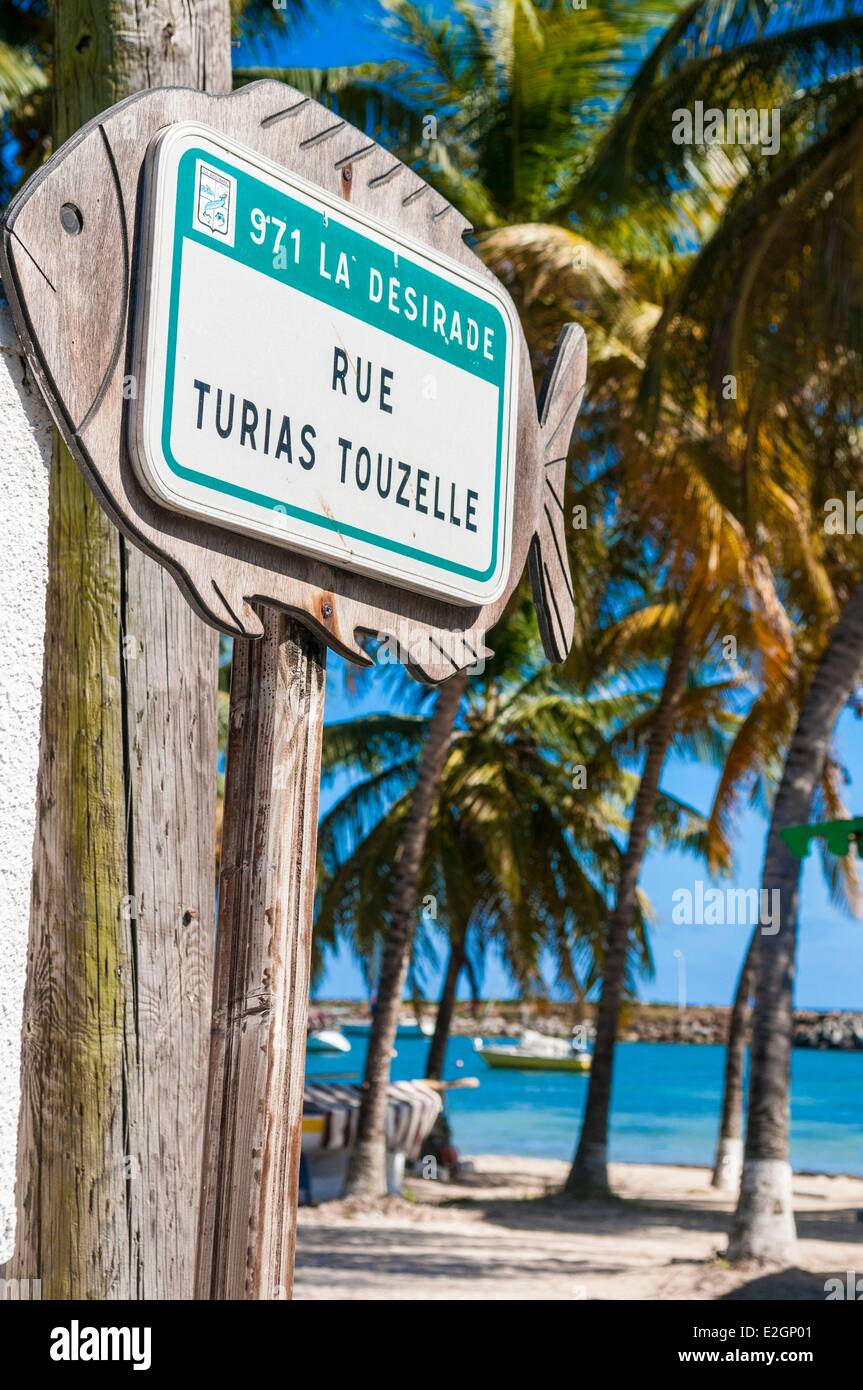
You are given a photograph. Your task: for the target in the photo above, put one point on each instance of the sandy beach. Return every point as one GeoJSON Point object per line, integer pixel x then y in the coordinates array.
{"type": "Point", "coordinates": [503, 1232]}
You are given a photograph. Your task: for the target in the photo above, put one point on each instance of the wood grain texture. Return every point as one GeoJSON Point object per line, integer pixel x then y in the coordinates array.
{"type": "Point", "coordinates": [260, 993]}
{"type": "Point", "coordinates": [71, 1189]}
{"type": "Point", "coordinates": [170, 704]}
{"type": "Point", "coordinates": [222, 572]}
{"type": "Point", "coordinates": [559, 403]}
{"type": "Point", "coordinates": [118, 994]}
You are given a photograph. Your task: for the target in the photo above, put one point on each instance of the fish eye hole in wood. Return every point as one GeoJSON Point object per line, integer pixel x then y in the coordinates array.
{"type": "Point", "coordinates": [71, 219]}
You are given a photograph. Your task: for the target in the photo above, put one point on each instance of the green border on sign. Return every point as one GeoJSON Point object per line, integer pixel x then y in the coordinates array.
{"type": "Point", "coordinates": [301, 278]}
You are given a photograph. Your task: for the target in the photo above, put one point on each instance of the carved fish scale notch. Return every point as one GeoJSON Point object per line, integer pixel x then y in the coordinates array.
{"type": "Point", "coordinates": [72, 300]}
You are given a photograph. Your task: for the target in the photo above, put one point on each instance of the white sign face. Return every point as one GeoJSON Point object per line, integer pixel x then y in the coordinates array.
{"type": "Point", "coordinates": [315, 379]}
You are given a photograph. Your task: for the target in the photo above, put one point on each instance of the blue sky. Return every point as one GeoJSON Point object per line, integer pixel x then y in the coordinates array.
{"type": "Point", "coordinates": [830, 972]}
{"type": "Point", "coordinates": [330, 36]}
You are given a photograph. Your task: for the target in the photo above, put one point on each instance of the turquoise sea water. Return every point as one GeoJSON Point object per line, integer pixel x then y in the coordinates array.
{"type": "Point", "coordinates": [666, 1104]}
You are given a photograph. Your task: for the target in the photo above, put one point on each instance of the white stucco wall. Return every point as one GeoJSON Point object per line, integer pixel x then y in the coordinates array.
{"type": "Point", "coordinates": [25, 453]}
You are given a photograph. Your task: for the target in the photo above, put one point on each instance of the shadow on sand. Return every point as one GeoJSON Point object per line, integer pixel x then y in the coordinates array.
{"type": "Point", "coordinates": [514, 1235]}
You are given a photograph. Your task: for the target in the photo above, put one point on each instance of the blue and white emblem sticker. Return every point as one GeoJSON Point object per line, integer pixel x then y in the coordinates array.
{"type": "Point", "coordinates": [215, 203]}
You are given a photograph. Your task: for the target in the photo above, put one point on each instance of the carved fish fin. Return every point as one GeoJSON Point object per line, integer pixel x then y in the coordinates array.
{"type": "Point", "coordinates": [431, 654]}
{"type": "Point", "coordinates": [449, 652]}
{"type": "Point", "coordinates": [558, 405]}
{"type": "Point", "coordinates": [231, 613]}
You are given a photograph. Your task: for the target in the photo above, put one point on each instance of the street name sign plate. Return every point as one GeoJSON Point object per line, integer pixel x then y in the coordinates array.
{"type": "Point", "coordinates": [316, 379]}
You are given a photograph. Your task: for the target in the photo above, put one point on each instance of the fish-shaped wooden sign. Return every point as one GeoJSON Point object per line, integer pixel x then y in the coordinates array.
{"type": "Point", "coordinates": [289, 379]}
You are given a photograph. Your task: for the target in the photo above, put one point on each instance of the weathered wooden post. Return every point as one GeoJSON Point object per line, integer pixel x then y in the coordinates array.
{"type": "Point", "coordinates": [115, 1032]}
{"type": "Point", "coordinates": [266, 888]}
{"type": "Point", "coordinates": [334, 434]}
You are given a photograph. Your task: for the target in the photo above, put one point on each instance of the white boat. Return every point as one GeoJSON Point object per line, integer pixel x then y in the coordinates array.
{"type": "Point", "coordinates": [327, 1040]}
{"type": "Point", "coordinates": [535, 1052]}
{"type": "Point", "coordinates": [412, 1029]}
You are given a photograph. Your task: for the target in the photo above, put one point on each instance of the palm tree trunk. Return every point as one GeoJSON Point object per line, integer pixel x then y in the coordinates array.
{"type": "Point", "coordinates": [446, 1007]}
{"type": "Point", "coordinates": [729, 1149]}
{"type": "Point", "coordinates": [763, 1225]}
{"type": "Point", "coordinates": [589, 1173]}
{"type": "Point", "coordinates": [366, 1168]}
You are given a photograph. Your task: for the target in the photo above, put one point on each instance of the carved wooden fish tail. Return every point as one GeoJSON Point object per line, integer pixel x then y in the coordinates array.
{"type": "Point", "coordinates": [558, 405]}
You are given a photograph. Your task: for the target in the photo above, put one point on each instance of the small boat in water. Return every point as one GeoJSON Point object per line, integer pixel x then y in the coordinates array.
{"type": "Point", "coordinates": [327, 1040]}
{"type": "Point", "coordinates": [535, 1052]}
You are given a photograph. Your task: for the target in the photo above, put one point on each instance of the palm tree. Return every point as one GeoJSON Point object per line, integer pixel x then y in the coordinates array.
{"type": "Point", "coordinates": [519, 739]}
{"type": "Point", "coordinates": [589, 1174]}
{"type": "Point", "coordinates": [761, 743]}
{"type": "Point", "coordinates": [506, 82]}
{"type": "Point", "coordinates": [516, 857]}
{"type": "Point", "coordinates": [517, 92]}
{"type": "Point", "coordinates": [778, 283]}
{"type": "Point", "coordinates": [728, 1163]}
{"type": "Point", "coordinates": [687, 213]}
{"type": "Point", "coordinates": [553, 270]}
{"type": "Point", "coordinates": [520, 92]}
{"type": "Point", "coordinates": [712, 202]}
{"type": "Point", "coordinates": [510, 75]}
{"type": "Point", "coordinates": [367, 1160]}
{"type": "Point", "coordinates": [476, 822]}
{"type": "Point", "coordinates": [708, 573]}
{"type": "Point", "coordinates": [25, 89]}
{"type": "Point", "coordinates": [763, 1225]}
{"type": "Point", "coordinates": [444, 1013]}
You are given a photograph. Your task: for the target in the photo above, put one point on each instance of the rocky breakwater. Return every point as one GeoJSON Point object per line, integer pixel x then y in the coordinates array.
{"type": "Point", "coordinates": [834, 1031]}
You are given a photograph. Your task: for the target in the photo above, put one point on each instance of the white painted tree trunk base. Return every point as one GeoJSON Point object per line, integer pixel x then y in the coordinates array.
{"type": "Point", "coordinates": [25, 466]}
{"type": "Point", "coordinates": [763, 1226]}
{"type": "Point", "coordinates": [728, 1165]}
